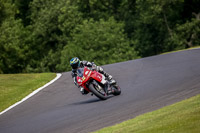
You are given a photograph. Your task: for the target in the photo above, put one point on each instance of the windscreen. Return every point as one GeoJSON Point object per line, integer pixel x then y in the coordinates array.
{"type": "Point", "coordinates": [80, 72]}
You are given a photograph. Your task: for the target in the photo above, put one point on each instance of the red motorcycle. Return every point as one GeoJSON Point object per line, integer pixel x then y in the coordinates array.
{"type": "Point", "coordinates": [96, 83]}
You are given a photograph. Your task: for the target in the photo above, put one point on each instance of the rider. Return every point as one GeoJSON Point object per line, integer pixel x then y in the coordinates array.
{"type": "Point", "coordinates": [76, 63]}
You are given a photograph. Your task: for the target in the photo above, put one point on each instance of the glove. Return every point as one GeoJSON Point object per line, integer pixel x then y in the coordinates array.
{"type": "Point", "coordinates": [99, 69]}
{"type": "Point", "coordinates": [94, 67]}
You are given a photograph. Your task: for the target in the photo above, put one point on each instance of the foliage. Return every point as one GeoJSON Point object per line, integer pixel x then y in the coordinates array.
{"type": "Point", "coordinates": [7, 9]}
{"type": "Point", "coordinates": [41, 35]}
{"type": "Point", "coordinates": [100, 41]}
{"type": "Point", "coordinates": [154, 24]}
{"type": "Point", "coordinates": [13, 47]}
{"type": "Point", "coordinates": [52, 22]}
{"type": "Point", "coordinates": [187, 35]}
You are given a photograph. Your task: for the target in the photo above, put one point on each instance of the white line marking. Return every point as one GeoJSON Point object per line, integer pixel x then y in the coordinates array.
{"type": "Point", "coordinates": [33, 93]}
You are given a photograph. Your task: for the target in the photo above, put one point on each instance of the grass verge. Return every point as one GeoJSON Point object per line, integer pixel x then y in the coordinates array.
{"type": "Point", "coordinates": [195, 47]}
{"type": "Point", "coordinates": [181, 117]}
{"type": "Point", "coordinates": [14, 87]}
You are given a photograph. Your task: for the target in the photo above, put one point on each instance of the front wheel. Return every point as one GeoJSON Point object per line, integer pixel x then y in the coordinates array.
{"type": "Point", "coordinates": [116, 90]}
{"type": "Point", "coordinates": [98, 91]}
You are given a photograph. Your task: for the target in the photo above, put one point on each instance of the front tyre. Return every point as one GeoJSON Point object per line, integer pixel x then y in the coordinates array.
{"type": "Point", "coordinates": [116, 90]}
{"type": "Point", "coordinates": [98, 91]}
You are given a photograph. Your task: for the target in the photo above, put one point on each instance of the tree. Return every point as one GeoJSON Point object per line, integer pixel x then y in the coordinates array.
{"type": "Point", "coordinates": [103, 42]}
{"type": "Point", "coordinates": [154, 25]}
{"type": "Point", "coordinates": [13, 49]}
{"type": "Point", "coordinates": [186, 33]}
{"type": "Point", "coordinates": [23, 10]}
{"type": "Point", "coordinates": [51, 24]}
{"type": "Point", "coordinates": [42, 35]}
{"type": "Point", "coordinates": [7, 9]}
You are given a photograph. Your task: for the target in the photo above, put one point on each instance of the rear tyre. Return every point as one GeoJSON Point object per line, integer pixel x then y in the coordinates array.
{"type": "Point", "coordinates": [116, 90]}
{"type": "Point", "coordinates": [98, 91]}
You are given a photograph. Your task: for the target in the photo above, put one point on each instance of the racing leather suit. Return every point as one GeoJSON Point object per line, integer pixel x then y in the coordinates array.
{"type": "Point", "coordinates": [88, 64]}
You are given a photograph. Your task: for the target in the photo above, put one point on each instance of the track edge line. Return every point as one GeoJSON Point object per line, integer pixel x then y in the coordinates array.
{"type": "Point", "coordinates": [58, 75]}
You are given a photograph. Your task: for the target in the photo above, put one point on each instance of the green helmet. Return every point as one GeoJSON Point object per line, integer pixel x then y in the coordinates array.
{"type": "Point", "coordinates": [75, 62]}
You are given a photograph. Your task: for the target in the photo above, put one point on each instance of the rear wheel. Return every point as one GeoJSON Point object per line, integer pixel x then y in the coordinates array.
{"type": "Point", "coordinates": [116, 90]}
{"type": "Point", "coordinates": [98, 91]}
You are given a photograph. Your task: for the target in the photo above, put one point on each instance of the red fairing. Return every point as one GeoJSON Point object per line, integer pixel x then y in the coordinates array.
{"type": "Point", "coordinates": [96, 83]}
{"type": "Point", "coordinates": [87, 75]}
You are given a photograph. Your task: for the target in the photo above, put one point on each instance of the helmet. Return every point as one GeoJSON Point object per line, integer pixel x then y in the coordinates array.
{"type": "Point", "coordinates": [75, 63]}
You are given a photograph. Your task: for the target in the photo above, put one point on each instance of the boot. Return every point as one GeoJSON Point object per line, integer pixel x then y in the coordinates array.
{"type": "Point", "coordinates": [108, 88]}
{"type": "Point", "coordinates": [83, 92]}
{"type": "Point", "coordinates": [109, 78]}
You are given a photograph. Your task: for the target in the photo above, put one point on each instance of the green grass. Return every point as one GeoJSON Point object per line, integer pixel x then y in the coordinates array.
{"type": "Point", "coordinates": [14, 87]}
{"type": "Point", "coordinates": [181, 50]}
{"type": "Point", "coordinates": [181, 117]}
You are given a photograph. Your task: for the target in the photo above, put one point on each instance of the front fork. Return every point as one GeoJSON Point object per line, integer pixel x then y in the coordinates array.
{"type": "Point", "coordinates": [99, 88]}
{"type": "Point", "coordinates": [107, 87]}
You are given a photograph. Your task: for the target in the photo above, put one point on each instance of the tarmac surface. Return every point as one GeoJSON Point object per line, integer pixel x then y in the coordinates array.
{"type": "Point", "coordinates": [147, 84]}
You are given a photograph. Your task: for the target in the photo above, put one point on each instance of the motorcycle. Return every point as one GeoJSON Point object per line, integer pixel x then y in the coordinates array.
{"type": "Point", "coordinates": [96, 83]}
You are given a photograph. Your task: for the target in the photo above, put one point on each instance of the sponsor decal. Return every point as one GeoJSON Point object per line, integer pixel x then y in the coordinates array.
{"type": "Point", "coordinates": [79, 80]}
{"type": "Point", "coordinates": [83, 78]}
{"type": "Point", "coordinates": [86, 72]}
{"type": "Point", "coordinates": [99, 77]}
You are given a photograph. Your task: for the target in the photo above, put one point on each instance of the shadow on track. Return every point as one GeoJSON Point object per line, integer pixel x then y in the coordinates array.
{"type": "Point", "coordinates": [94, 100]}
{"type": "Point", "coordinates": [87, 101]}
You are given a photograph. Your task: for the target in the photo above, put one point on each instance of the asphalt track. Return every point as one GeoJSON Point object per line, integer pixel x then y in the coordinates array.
{"type": "Point", "coordinates": [147, 84]}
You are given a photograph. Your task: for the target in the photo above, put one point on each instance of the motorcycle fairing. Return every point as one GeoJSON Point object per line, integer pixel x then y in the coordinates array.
{"type": "Point", "coordinates": [85, 75]}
